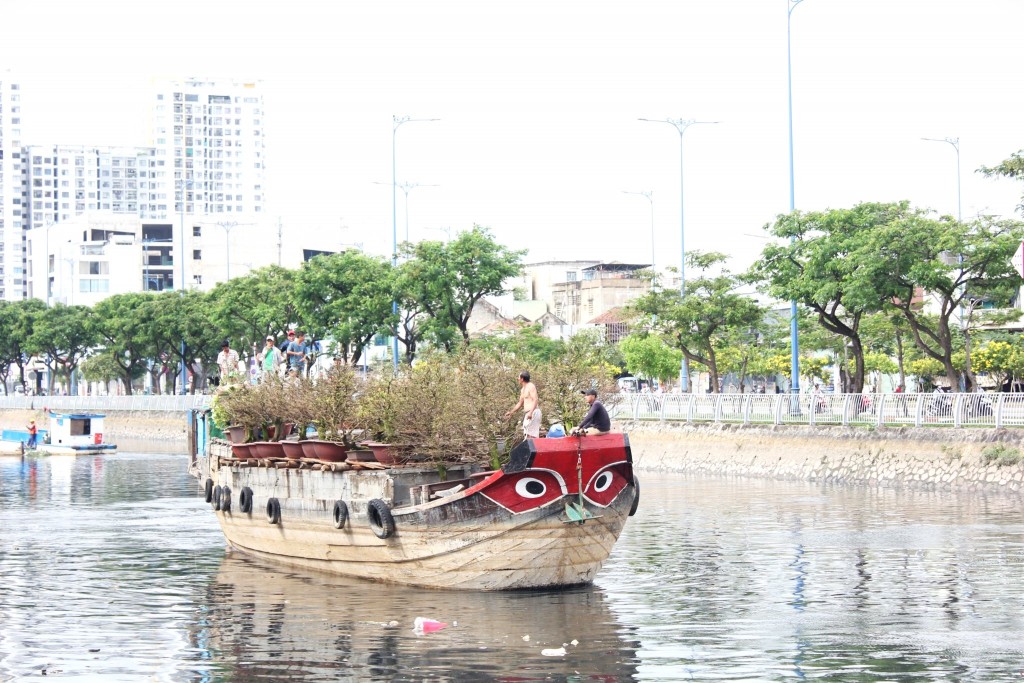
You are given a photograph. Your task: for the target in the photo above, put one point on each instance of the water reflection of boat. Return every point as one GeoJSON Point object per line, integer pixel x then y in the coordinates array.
{"type": "Point", "coordinates": [547, 518]}
{"type": "Point", "coordinates": [270, 624]}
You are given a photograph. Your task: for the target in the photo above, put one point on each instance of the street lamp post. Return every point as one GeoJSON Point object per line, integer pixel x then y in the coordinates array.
{"type": "Point", "coordinates": [681, 125]}
{"type": "Point", "coordinates": [183, 185]}
{"type": "Point", "coordinates": [955, 143]}
{"type": "Point", "coordinates": [396, 123]}
{"type": "Point", "coordinates": [406, 188]}
{"type": "Point", "coordinates": [793, 332]}
{"type": "Point", "coordinates": [649, 195]}
{"type": "Point", "coordinates": [228, 226]}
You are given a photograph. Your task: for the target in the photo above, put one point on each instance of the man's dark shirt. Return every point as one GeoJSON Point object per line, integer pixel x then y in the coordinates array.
{"type": "Point", "coordinates": [597, 417]}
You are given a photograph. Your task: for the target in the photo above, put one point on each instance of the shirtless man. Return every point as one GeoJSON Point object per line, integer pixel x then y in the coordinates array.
{"type": "Point", "coordinates": [530, 405]}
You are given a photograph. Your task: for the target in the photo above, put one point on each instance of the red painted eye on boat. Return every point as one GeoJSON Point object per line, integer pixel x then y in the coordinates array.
{"type": "Point", "coordinates": [606, 485]}
{"type": "Point", "coordinates": [524, 491]}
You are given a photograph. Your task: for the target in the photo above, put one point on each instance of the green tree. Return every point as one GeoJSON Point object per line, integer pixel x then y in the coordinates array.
{"type": "Point", "coordinates": [1013, 167]}
{"type": "Point", "coordinates": [17, 320]}
{"type": "Point", "coordinates": [125, 323]}
{"type": "Point", "coordinates": [188, 317]}
{"type": "Point", "coordinates": [349, 296]}
{"type": "Point", "coordinates": [103, 367]}
{"type": "Point", "coordinates": [1000, 359]}
{"type": "Point", "coordinates": [889, 332]}
{"type": "Point", "coordinates": [526, 346]}
{"type": "Point", "coordinates": [260, 303]}
{"type": "Point", "coordinates": [821, 266]}
{"type": "Point", "coordinates": [957, 264]}
{"type": "Point", "coordinates": [650, 356]}
{"type": "Point", "coordinates": [701, 323]}
{"type": "Point", "coordinates": [64, 334]}
{"type": "Point", "coordinates": [447, 280]}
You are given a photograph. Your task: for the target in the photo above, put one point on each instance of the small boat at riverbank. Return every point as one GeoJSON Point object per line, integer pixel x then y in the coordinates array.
{"type": "Point", "coordinates": [69, 434]}
{"type": "Point", "coordinates": [548, 518]}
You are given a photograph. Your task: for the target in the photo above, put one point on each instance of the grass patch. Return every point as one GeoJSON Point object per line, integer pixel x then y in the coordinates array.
{"type": "Point", "coordinates": [951, 453]}
{"type": "Point", "coordinates": [1001, 455]}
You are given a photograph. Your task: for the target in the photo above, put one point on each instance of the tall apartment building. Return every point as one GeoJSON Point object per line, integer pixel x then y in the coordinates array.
{"type": "Point", "coordinates": [65, 181]}
{"type": "Point", "coordinates": [12, 190]}
{"type": "Point", "coordinates": [210, 135]}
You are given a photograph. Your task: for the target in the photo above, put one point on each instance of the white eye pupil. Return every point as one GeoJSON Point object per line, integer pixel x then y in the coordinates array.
{"type": "Point", "coordinates": [530, 488]}
{"type": "Point", "coordinates": [604, 480]}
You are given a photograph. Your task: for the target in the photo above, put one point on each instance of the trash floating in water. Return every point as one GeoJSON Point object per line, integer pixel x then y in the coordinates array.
{"type": "Point", "coordinates": [554, 652]}
{"type": "Point", "coordinates": [527, 637]}
{"type": "Point", "coordinates": [424, 625]}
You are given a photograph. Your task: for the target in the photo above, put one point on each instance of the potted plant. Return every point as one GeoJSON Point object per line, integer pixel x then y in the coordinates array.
{"type": "Point", "coordinates": [298, 407]}
{"type": "Point", "coordinates": [376, 413]}
{"type": "Point", "coordinates": [334, 412]}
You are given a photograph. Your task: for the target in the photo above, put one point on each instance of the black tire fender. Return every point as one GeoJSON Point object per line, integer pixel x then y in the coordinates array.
{"type": "Point", "coordinates": [274, 511]}
{"type": "Point", "coordinates": [215, 497]}
{"type": "Point", "coordinates": [636, 496]}
{"type": "Point", "coordinates": [225, 499]}
{"type": "Point", "coordinates": [209, 490]}
{"type": "Point", "coordinates": [382, 522]}
{"type": "Point", "coordinates": [245, 500]}
{"type": "Point", "coordinates": [340, 514]}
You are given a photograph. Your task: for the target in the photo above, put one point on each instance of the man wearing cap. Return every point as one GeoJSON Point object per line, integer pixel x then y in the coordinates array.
{"type": "Point", "coordinates": [296, 352]}
{"type": "Point", "coordinates": [596, 421]}
{"type": "Point", "coordinates": [270, 358]}
{"type": "Point", "coordinates": [227, 361]}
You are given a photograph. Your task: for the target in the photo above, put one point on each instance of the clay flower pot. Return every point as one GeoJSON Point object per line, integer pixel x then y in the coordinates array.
{"type": "Point", "coordinates": [235, 434]}
{"type": "Point", "coordinates": [361, 456]}
{"type": "Point", "coordinates": [385, 453]}
{"type": "Point", "coordinates": [292, 449]}
{"type": "Point", "coordinates": [330, 451]}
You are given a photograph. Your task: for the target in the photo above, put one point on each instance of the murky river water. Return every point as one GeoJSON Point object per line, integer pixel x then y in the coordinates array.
{"type": "Point", "coordinates": [113, 569]}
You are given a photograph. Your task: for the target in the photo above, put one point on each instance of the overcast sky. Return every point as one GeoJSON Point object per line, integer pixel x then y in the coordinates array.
{"type": "Point", "coordinates": [539, 101]}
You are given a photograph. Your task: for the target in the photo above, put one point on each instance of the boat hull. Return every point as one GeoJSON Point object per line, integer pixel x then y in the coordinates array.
{"type": "Point", "coordinates": [480, 535]}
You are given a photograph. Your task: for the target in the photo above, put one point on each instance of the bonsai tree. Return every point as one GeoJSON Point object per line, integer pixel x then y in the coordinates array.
{"type": "Point", "coordinates": [298, 404]}
{"type": "Point", "coordinates": [376, 407]}
{"type": "Point", "coordinates": [271, 395]}
{"type": "Point", "coordinates": [240, 405]}
{"type": "Point", "coordinates": [334, 406]}
{"type": "Point", "coordinates": [482, 382]}
{"type": "Point", "coordinates": [428, 413]}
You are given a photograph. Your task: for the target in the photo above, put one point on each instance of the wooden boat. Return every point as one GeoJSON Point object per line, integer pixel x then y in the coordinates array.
{"type": "Point", "coordinates": [548, 518]}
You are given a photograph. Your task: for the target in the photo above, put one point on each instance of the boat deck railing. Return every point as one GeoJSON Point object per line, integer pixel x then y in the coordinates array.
{"type": "Point", "coordinates": [867, 410]}
{"type": "Point", "coordinates": [101, 404]}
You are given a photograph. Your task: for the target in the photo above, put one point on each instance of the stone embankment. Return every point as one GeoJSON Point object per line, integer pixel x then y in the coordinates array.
{"type": "Point", "coordinates": [918, 457]}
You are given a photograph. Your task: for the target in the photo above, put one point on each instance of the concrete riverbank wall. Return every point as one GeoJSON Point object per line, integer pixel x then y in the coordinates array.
{"type": "Point", "coordinates": [122, 425]}
{"type": "Point", "coordinates": [914, 457]}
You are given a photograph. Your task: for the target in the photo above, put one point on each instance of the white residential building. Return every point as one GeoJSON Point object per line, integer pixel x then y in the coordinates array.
{"type": "Point", "coordinates": [65, 180]}
{"type": "Point", "coordinates": [96, 254]}
{"type": "Point", "coordinates": [12, 193]}
{"type": "Point", "coordinates": [210, 136]}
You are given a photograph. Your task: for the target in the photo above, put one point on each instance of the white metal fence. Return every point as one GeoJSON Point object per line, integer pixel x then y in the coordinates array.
{"type": "Point", "coordinates": [106, 403]}
{"type": "Point", "coordinates": [918, 410]}
{"type": "Point", "coordinates": [953, 410]}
